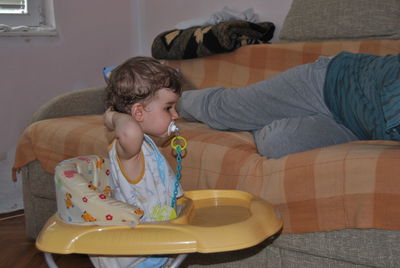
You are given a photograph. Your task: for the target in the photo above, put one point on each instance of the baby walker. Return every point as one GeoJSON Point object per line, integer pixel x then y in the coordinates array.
{"type": "Point", "coordinates": [210, 221]}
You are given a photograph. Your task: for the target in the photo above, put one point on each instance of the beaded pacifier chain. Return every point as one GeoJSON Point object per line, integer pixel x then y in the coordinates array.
{"type": "Point", "coordinates": [178, 143]}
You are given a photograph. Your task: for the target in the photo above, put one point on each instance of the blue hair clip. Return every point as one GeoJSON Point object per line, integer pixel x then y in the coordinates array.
{"type": "Point", "coordinates": [107, 72]}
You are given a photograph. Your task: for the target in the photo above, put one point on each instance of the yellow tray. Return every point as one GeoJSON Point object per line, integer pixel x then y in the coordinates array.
{"type": "Point", "coordinates": [212, 221]}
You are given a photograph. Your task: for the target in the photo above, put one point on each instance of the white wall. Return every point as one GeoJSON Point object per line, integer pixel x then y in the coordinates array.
{"type": "Point", "coordinates": [159, 15]}
{"type": "Point", "coordinates": [92, 34]}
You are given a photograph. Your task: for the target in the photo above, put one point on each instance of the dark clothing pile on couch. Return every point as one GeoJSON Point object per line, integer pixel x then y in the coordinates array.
{"type": "Point", "coordinates": [196, 42]}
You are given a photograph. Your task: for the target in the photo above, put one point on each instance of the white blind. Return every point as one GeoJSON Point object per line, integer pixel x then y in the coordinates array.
{"type": "Point", "coordinates": [13, 7]}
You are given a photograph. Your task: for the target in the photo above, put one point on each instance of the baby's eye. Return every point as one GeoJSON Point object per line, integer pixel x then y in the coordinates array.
{"type": "Point", "coordinates": [168, 108]}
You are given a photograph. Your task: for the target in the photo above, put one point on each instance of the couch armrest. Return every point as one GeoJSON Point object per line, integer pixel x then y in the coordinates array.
{"type": "Point", "coordinates": [80, 102]}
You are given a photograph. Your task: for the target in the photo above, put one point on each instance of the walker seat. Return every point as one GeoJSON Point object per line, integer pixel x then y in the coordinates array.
{"type": "Point", "coordinates": [210, 221]}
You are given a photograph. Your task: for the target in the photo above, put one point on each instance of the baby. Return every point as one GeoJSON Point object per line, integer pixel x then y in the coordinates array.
{"type": "Point", "coordinates": [141, 96]}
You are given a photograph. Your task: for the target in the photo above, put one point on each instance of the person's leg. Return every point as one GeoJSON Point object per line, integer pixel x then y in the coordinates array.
{"type": "Point", "coordinates": [292, 135]}
{"type": "Point", "coordinates": [296, 92]}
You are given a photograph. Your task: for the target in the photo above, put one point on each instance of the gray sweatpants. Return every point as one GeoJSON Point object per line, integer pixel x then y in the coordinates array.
{"type": "Point", "coordinates": [285, 113]}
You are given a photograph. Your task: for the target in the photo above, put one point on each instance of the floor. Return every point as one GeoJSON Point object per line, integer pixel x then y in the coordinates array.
{"type": "Point", "coordinates": [10, 191]}
{"type": "Point", "coordinates": [18, 251]}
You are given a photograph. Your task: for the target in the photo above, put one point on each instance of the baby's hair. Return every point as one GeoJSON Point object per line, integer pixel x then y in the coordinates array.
{"type": "Point", "coordinates": [138, 79]}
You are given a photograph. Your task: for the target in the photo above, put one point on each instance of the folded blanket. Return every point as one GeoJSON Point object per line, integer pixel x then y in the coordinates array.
{"type": "Point", "coordinates": [198, 42]}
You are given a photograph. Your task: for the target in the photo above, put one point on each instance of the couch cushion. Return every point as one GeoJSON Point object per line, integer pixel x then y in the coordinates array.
{"type": "Point", "coordinates": [365, 247]}
{"type": "Point", "coordinates": [352, 185]}
{"type": "Point", "coordinates": [313, 20]}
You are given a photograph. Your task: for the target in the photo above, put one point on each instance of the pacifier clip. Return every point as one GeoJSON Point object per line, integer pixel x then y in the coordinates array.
{"type": "Point", "coordinates": [178, 143]}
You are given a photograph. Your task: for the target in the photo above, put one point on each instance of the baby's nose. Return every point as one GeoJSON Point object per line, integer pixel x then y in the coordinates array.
{"type": "Point", "coordinates": [175, 115]}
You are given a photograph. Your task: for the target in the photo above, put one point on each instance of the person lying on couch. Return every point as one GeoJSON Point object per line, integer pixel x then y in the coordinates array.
{"type": "Point", "coordinates": [348, 97]}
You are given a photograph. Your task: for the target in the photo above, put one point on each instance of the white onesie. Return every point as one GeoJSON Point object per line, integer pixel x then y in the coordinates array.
{"type": "Point", "coordinates": [152, 191]}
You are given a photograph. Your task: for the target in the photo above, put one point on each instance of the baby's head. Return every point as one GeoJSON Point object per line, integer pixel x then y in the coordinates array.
{"type": "Point", "coordinates": [137, 80]}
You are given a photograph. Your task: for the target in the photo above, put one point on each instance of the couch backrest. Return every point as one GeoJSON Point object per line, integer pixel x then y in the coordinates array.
{"type": "Point", "coordinates": [253, 63]}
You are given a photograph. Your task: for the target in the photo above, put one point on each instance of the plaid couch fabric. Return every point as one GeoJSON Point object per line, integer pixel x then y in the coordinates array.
{"type": "Point", "coordinates": [352, 185]}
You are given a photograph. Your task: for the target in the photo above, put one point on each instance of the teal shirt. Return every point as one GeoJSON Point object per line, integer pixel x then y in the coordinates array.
{"type": "Point", "coordinates": [363, 93]}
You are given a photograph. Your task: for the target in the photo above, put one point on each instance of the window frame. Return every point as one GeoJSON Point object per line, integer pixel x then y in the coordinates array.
{"type": "Point", "coordinates": [39, 21]}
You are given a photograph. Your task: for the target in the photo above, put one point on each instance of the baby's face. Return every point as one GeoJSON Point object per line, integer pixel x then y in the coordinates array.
{"type": "Point", "coordinates": [159, 112]}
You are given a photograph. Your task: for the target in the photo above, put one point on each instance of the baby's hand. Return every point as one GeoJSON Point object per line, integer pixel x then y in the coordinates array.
{"type": "Point", "coordinates": [107, 118]}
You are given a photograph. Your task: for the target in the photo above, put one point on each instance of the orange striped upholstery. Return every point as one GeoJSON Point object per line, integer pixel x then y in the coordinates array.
{"type": "Point", "coordinates": [353, 185]}
{"type": "Point", "coordinates": [254, 63]}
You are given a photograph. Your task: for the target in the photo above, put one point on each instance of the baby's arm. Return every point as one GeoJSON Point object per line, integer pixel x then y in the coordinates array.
{"type": "Point", "coordinates": [128, 132]}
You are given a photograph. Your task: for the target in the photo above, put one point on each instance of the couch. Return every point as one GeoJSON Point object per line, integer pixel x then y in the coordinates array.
{"type": "Point", "coordinates": [339, 204]}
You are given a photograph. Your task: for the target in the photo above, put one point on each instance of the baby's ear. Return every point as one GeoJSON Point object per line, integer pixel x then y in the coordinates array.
{"type": "Point", "coordinates": [137, 110]}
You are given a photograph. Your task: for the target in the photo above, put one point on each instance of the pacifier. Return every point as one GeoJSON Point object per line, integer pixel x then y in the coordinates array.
{"type": "Point", "coordinates": [172, 128]}
{"type": "Point", "coordinates": [178, 143]}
